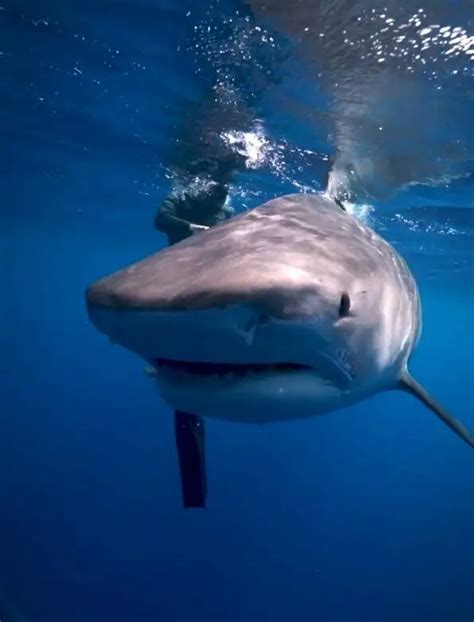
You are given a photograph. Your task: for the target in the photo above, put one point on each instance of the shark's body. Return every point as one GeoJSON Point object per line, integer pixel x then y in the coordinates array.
{"type": "Point", "coordinates": [290, 310]}
{"type": "Point", "coordinates": [266, 287]}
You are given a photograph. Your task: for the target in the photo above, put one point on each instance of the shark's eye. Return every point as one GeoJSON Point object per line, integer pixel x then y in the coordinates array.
{"type": "Point", "coordinates": [344, 305]}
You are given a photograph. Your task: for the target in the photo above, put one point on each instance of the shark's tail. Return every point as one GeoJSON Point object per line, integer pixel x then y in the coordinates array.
{"type": "Point", "coordinates": [409, 384]}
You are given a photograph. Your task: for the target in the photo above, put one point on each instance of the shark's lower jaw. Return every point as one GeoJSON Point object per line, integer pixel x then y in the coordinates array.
{"type": "Point", "coordinates": [253, 393]}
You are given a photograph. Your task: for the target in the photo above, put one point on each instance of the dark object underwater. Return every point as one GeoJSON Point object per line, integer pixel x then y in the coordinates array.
{"type": "Point", "coordinates": [190, 439]}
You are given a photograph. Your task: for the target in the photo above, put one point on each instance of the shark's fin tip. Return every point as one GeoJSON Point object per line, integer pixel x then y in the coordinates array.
{"type": "Point", "coordinates": [410, 385]}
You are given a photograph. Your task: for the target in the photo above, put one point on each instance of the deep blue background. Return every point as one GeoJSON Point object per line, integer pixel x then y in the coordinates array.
{"type": "Point", "coordinates": [363, 515]}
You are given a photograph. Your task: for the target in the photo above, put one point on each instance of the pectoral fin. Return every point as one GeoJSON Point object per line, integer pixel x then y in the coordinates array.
{"type": "Point", "coordinates": [409, 384]}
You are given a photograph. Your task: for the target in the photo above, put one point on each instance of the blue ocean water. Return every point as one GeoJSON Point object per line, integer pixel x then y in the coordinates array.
{"type": "Point", "coordinates": [364, 515]}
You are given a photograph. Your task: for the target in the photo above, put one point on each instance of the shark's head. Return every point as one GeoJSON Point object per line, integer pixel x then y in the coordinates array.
{"type": "Point", "coordinates": [287, 311]}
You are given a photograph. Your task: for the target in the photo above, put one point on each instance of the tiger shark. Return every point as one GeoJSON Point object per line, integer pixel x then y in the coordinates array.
{"type": "Point", "coordinates": [290, 310]}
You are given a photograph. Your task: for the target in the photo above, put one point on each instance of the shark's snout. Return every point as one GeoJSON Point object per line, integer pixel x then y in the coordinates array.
{"type": "Point", "coordinates": [99, 296]}
{"type": "Point", "coordinates": [119, 291]}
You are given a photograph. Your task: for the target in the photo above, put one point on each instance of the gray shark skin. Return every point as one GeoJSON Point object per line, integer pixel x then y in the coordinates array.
{"type": "Point", "coordinates": [290, 310]}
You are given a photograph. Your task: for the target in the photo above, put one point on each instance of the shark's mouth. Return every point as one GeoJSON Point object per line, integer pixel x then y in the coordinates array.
{"type": "Point", "coordinates": [252, 392]}
{"type": "Point", "coordinates": [237, 369]}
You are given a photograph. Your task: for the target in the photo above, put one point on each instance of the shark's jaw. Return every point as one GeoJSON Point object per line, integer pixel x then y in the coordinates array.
{"type": "Point", "coordinates": [248, 393]}
{"type": "Point", "coordinates": [223, 364]}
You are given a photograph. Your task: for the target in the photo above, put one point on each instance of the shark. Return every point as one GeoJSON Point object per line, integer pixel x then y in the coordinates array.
{"type": "Point", "coordinates": [290, 310]}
